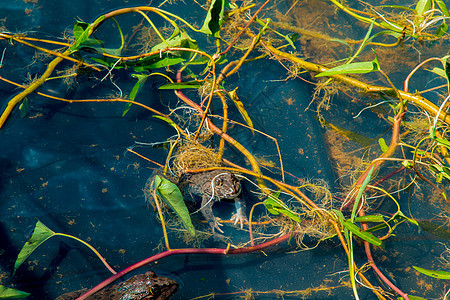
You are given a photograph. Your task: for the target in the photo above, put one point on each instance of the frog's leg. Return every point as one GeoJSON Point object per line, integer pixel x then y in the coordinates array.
{"type": "Point", "coordinates": [207, 212]}
{"type": "Point", "coordinates": [240, 212]}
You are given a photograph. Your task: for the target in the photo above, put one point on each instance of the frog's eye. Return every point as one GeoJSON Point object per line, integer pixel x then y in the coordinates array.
{"type": "Point", "coordinates": [219, 181]}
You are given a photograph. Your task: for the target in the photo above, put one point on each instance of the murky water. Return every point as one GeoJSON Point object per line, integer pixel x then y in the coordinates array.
{"type": "Point", "coordinates": [68, 166]}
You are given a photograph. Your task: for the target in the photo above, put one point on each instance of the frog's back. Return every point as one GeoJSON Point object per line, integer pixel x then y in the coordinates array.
{"type": "Point", "coordinates": [196, 184]}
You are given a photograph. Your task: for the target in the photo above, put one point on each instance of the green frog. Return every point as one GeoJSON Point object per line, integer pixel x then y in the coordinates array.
{"type": "Point", "coordinates": [213, 186]}
{"type": "Point", "coordinates": [147, 286]}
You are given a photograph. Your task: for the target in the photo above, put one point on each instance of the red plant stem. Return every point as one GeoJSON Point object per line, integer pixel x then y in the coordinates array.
{"type": "Point", "coordinates": [375, 165]}
{"type": "Point", "coordinates": [182, 251]}
{"type": "Point", "coordinates": [395, 172]}
{"type": "Point", "coordinates": [374, 266]}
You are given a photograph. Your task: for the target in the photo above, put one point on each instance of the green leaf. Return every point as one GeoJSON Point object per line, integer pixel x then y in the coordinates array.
{"type": "Point", "coordinates": [8, 293]}
{"type": "Point", "coordinates": [108, 62]}
{"type": "Point", "coordinates": [439, 72]}
{"type": "Point", "coordinates": [41, 233]}
{"type": "Point", "coordinates": [362, 234]}
{"type": "Point", "coordinates": [164, 59]}
{"type": "Point", "coordinates": [214, 18]}
{"type": "Point", "coordinates": [275, 207]}
{"type": "Point", "coordinates": [412, 297]}
{"type": "Point", "coordinates": [441, 30]}
{"type": "Point", "coordinates": [170, 193]}
{"type": "Point", "coordinates": [24, 108]}
{"type": "Point", "coordinates": [156, 62]}
{"type": "Point", "coordinates": [447, 72]}
{"type": "Point", "coordinates": [179, 38]}
{"type": "Point", "coordinates": [383, 145]}
{"type": "Point", "coordinates": [434, 274]}
{"type": "Point", "coordinates": [440, 172]}
{"type": "Point", "coordinates": [339, 214]}
{"type": "Point", "coordinates": [353, 68]}
{"type": "Point", "coordinates": [141, 79]}
{"type": "Point", "coordinates": [370, 218]}
{"type": "Point", "coordinates": [168, 121]}
{"type": "Point", "coordinates": [398, 7]}
{"type": "Point", "coordinates": [195, 84]}
{"type": "Point", "coordinates": [79, 28]}
{"type": "Point", "coordinates": [81, 32]}
{"type": "Point", "coordinates": [364, 43]}
{"type": "Point", "coordinates": [361, 190]}
{"type": "Point", "coordinates": [434, 229]}
{"type": "Point", "coordinates": [240, 106]}
{"type": "Point", "coordinates": [356, 137]}
{"type": "Point", "coordinates": [443, 8]}
{"type": "Point", "coordinates": [291, 39]}
{"type": "Point", "coordinates": [422, 6]}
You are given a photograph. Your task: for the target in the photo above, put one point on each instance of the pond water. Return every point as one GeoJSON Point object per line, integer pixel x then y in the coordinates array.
{"type": "Point", "coordinates": [67, 164]}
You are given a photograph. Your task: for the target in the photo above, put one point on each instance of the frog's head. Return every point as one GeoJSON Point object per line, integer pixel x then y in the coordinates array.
{"type": "Point", "coordinates": [226, 185]}
{"type": "Point", "coordinates": [162, 287]}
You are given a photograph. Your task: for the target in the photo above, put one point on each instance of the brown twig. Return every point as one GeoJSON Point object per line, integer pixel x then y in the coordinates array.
{"type": "Point", "coordinates": [245, 28]}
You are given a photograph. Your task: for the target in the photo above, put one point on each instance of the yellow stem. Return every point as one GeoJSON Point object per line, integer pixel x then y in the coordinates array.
{"type": "Point", "coordinates": [416, 99]}
{"type": "Point", "coordinates": [161, 217]}
{"type": "Point", "coordinates": [90, 247]}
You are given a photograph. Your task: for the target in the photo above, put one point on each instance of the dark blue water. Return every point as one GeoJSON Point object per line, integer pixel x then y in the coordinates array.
{"type": "Point", "coordinates": [67, 165]}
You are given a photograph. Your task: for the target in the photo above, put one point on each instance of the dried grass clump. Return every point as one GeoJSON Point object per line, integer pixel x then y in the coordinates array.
{"type": "Point", "coordinates": [193, 155]}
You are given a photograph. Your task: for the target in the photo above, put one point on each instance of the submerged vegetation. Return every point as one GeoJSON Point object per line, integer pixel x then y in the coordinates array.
{"type": "Point", "coordinates": [355, 53]}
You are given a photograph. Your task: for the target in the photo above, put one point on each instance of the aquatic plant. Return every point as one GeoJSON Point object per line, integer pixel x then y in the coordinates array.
{"type": "Point", "coordinates": [417, 151]}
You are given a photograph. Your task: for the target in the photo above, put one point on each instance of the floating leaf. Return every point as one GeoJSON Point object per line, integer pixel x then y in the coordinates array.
{"type": "Point", "coordinates": [361, 190]}
{"type": "Point", "coordinates": [170, 193]}
{"type": "Point", "coordinates": [8, 293]}
{"type": "Point", "coordinates": [370, 218]}
{"type": "Point", "coordinates": [168, 121]}
{"type": "Point", "coordinates": [41, 233]}
{"type": "Point", "coordinates": [353, 68]}
{"type": "Point", "coordinates": [155, 62]}
{"type": "Point", "coordinates": [422, 6]}
{"type": "Point", "coordinates": [412, 297]}
{"type": "Point", "coordinates": [24, 108]}
{"type": "Point", "coordinates": [356, 137]}
{"type": "Point", "coordinates": [434, 229]}
{"type": "Point", "coordinates": [383, 145]}
{"type": "Point", "coordinates": [362, 234]}
{"type": "Point", "coordinates": [291, 39]}
{"type": "Point", "coordinates": [339, 214]}
{"type": "Point", "coordinates": [441, 30]}
{"type": "Point", "coordinates": [440, 172]}
{"type": "Point", "coordinates": [108, 62]}
{"type": "Point", "coordinates": [81, 32]}
{"type": "Point", "coordinates": [141, 79]}
{"type": "Point", "coordinates": [398, 7]}
{"type": "Point", "coordinates": [364, 43]}
{"type": "Point", "coordinates": [214, 18]}
{"type": "Point", "coordinates": [443, 8]}
{"type": "Point", "coordinates": [434, 274]}
{"type": "Point", "coordinates": [179, 38]}
{"type": "Point", "coordinates": [438, 71]}
{"type": "Point", "coordinates": [240, 106]}
{"type": "Point", "coordinates": [447, 72]}
{"type": "Point", "coordinates": [275, 207]}
{"type": "Point", "coordinates": [195, 84]}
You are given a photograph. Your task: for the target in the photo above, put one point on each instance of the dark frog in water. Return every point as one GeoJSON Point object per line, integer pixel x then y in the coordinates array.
{"type": "Point", "coordinates": [143, 286]}
{"type": "Point", "coordinates": [213, 186]}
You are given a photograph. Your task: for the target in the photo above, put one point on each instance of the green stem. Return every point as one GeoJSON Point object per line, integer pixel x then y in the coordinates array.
{"type": "Point", "coordinates": [90, 247]}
